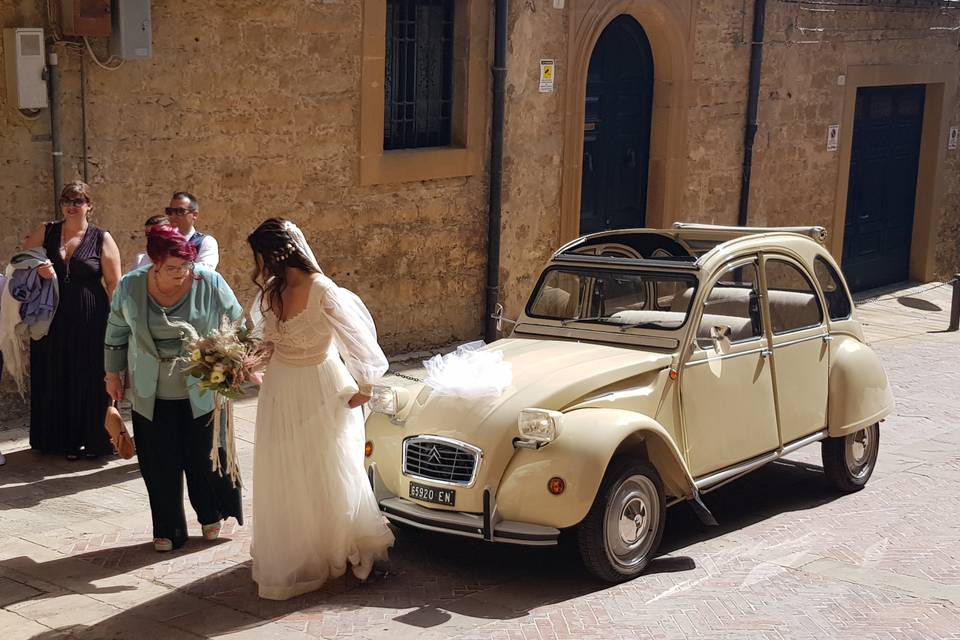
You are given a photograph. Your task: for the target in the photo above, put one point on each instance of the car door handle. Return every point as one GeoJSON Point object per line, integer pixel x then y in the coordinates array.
{"type": "Point", "coordinates": [827, 338]}
{"type": "Point", "coordinates": [765, 353]}
{"type": "Point", "coordinates": [865, 216]}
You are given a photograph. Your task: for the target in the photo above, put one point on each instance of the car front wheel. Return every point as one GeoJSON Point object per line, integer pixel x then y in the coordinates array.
{"type": "Point", "coordinates": [622, 531]}
{"type": "Point", "coordinates": [848, 461]}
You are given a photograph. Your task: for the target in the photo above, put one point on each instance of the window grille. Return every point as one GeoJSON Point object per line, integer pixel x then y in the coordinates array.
{"type": "Point", "coordinates": [418, 79]}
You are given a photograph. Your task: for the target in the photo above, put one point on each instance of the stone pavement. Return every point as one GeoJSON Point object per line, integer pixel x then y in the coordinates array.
{"type": "Point", "coordinates": [790, 559]}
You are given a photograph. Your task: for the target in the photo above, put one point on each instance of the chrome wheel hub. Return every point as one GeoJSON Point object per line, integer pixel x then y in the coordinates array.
{"type": "Point", "coordinates": [632, 520]}
{"type": "Point", "coordinates": [860, 450]}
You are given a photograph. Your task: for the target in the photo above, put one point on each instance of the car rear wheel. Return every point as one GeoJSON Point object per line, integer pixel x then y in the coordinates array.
{"type": "Point", "coordinates": [622, 531]}
{"type": "Point", "coordinates": [848, 461]}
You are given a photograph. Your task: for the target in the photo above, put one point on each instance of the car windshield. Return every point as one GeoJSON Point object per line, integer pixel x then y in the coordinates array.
{"type": "Point", "coordinates": [626, 299]}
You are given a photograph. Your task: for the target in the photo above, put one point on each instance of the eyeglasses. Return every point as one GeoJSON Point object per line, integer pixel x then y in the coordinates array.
{"type": "Point", "coordinates": [178, 211]}
{"type": "Point", "coordinates": [171, 270]}
{"type": "Point", "coordinates": [73, 202]}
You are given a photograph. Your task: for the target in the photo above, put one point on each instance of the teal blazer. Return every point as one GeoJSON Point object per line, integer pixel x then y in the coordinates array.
{"type": "Point", "coordinates": [129, 346]}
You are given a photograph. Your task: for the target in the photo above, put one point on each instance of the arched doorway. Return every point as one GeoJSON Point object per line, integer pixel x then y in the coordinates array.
{"type": "Point", "coordinates": [616, 130]}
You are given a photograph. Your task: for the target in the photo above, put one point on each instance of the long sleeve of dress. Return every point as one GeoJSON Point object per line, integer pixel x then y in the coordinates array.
{"type": "Point", "coordinates": [355, 335]}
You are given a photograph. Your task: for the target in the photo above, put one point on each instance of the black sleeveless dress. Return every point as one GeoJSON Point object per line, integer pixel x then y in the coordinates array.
{"type": "Point", "coordinates": [68, 398]}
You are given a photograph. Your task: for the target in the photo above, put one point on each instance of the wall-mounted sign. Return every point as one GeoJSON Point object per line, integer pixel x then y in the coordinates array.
{"type": "Point", "coordinates": [833, 137]}
{"type": "Point", "coordinates": [547, 71]}
{"type": "Point", "coordinates": [953, 138]}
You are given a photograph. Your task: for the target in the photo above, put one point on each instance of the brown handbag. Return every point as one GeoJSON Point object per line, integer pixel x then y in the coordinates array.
{"type": "Point", "coordinates": [119, 437]}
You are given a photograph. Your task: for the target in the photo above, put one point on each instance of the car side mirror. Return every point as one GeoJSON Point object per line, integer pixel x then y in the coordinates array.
{"type": "Point", "coordinates": [720, 336]}
{"type": "Point", "coordinates": [498, 316]}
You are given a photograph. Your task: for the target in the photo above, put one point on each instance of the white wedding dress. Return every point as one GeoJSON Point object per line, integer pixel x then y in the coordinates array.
{"type": "Point", "coordinates": [313, 509]}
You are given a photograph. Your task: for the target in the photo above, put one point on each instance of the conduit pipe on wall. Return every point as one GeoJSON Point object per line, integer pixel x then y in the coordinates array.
{"type": "Point", "coordinates": [753, 101]}
{"type": "Point", "coordinates": [499, 71]}
{"type": "Point", "coordinates": [53, 86]}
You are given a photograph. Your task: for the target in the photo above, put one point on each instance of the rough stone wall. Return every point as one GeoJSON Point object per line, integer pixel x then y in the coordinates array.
{"type": "Point", "coordinates": [716, 116]}
{"type": "Point", "coordinates": [254, 107]}
{"type": "Point", "coordinates": [533, 148]}
{"type": "Point", "coordinates": [795, 176]}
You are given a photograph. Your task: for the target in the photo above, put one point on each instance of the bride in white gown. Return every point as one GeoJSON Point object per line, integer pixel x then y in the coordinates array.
{"type": "Point", "coordinates": [313, 509]}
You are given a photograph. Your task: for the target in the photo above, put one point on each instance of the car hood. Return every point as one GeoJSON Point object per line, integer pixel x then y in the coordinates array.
{"type": "Point", "coordinates": [548, 374]}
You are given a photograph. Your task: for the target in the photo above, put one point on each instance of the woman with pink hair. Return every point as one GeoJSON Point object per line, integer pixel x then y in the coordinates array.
{"type": "Point", "coordinates": [171, 415]}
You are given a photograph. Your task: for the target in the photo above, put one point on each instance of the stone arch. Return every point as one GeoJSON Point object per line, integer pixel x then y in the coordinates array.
{"type": "Point", "coordinates": [666, 24]}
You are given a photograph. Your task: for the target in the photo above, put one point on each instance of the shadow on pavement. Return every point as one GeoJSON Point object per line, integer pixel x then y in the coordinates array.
{"type": "Point", "coordinates": [29, 477]}
{"type": "Point", "coordinates": [918, 303]}
{"type": "Point", "coordinates": [436, 577]}
{"type": "Point", "coordinates": [779, 487]}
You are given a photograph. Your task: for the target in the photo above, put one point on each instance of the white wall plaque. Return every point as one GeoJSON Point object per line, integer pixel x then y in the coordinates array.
{"type": "Point", "coordinates": [833, 137]}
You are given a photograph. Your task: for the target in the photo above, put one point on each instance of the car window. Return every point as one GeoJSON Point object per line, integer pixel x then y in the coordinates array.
{"type": "Point", "coordinates": [733, 302]}
{"type": "Point", "coordinates": [559, 295]}
{"type": "Point", "coordinates": [838, 302]}
{"type": "Point", "coordinates": [793, 300]}
{"type": "Point", "coordinates": [622, 298]}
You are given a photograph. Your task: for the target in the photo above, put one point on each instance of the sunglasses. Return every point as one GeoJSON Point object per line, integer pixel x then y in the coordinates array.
{"type": "Point", "coordinates": [177, 211]}
{"type": "Point", "coordinates": [73, 202]}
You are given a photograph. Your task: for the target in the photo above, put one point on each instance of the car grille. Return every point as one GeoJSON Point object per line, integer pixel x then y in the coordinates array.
{"type": "Point", "coordinates": [440, 460]}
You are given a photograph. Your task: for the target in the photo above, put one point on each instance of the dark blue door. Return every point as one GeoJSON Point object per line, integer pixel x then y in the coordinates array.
{"type": "Point", "coordinates": [883, 185]}
{"type": "Point", "coordinates": [616, 132]}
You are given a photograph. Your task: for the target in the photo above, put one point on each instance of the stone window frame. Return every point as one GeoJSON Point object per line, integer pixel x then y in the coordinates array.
{"type": "Point", "coordinates": [464, 157]}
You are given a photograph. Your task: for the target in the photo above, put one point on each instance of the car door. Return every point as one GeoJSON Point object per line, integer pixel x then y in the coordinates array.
{"type": "Point", "coordinates": [799, 342]}
{"type": "Point", "coordinates": [726, 386]}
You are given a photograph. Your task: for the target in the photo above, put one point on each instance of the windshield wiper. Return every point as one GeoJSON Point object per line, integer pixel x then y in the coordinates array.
{"type": "Point", "coordinates": [638, 325]}
{"type": "Point", "coordinates": [564, 323]}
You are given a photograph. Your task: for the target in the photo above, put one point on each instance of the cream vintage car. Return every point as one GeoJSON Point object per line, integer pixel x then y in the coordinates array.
{"type": "Point", "coordinates": [648, 368]}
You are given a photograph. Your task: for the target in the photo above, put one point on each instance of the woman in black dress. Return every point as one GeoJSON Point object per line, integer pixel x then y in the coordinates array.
{"type": "Point", "coordinates": [67, 399]}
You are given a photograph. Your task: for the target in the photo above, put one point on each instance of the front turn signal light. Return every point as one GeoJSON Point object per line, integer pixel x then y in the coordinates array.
{"type": "Point", "coordinates": [556, 485]}
{"type": "Point", "coordinates": [368, 449]}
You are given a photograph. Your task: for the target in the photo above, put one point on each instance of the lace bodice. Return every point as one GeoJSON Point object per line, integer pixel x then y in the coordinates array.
{"type": "Point", "coordinates": [333, 322]}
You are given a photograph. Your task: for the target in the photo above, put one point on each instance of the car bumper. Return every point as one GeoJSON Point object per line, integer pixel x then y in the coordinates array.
{"type": "Point", "coordinates": [485, 526]}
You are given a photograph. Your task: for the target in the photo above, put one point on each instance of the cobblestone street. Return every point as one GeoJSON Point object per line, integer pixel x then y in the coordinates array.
{"type": "Point", "coordinates": [790, 559]}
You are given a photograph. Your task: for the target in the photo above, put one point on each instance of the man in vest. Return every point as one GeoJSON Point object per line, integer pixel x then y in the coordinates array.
{"type": "Point", "coordinates": [183, 213]}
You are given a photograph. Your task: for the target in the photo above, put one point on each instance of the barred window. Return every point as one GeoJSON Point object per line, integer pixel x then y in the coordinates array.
{"type": "Point", "coordinates": [418, 80]}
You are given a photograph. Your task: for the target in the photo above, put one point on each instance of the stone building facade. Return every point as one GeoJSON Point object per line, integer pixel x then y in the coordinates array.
{"type": "Point", "coordinates": [277, 108]}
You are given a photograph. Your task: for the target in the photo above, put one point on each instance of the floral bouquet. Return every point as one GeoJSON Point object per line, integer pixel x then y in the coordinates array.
{"type": "Point", "coordinates": [223, 361]}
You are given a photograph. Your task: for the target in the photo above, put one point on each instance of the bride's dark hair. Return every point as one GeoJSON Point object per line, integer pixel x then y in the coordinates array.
{"type": "Point", "coordinates": [276, 248]}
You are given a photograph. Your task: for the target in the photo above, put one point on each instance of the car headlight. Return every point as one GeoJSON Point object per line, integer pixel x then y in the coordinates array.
{"type": "Point", "coordinates": [539, 425]}
{"type": "Point", "coordinates": [388, 400]}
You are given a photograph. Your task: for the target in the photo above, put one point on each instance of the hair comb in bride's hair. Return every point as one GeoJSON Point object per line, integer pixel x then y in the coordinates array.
{"type": "Point", "coordinates": [283, 252]}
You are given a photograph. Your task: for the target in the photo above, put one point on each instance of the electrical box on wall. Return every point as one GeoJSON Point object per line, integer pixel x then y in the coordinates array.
{"type": "Point", "coordinates": [85, 18]}
{"type": "Point", "coordinates": [24, 53]}
{"type": "Point", "coordinates": [131, 38]}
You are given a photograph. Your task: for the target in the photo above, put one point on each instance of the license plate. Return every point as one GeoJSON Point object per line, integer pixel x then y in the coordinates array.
{"type": "Point", "coordinates": [445, 497]}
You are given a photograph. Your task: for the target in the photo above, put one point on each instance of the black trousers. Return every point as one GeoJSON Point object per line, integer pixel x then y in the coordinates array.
{"type": "Point", "coordinates": [170, 446]}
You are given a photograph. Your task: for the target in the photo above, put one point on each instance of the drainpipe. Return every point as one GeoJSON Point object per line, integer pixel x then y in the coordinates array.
{"type": "Point", "coordinates": [753, 101]}
{"type": "Point", "coordinates": [53, 84]}
{"type": "Point", "coordinates": [496, 168]}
